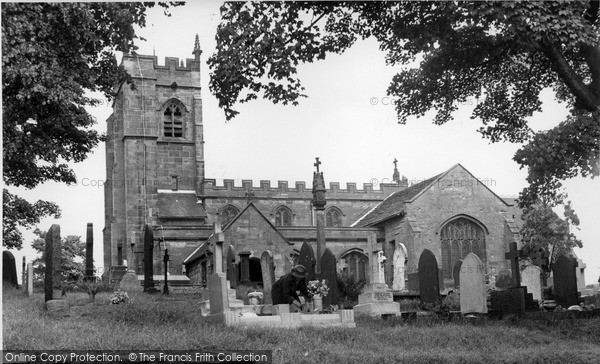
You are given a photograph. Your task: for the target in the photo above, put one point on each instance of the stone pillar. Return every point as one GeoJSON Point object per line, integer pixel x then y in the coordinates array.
{"type": "Point", "coordinates": [319, 203]}
{"type": "Point", "coordinates": [89, 252]}
{"type": "Point", "coordinates": [29, 279]}
{"type": "Point", "coordinates": [148, 260]}
{"type": "Point", "coordinates": [23, 275]}
{"type": "Point", "coordinates": [244, 267]}
{"type": "Point", "coordinates": [52, 260]}
{"type": "Point", "coordinates": [52, 281]}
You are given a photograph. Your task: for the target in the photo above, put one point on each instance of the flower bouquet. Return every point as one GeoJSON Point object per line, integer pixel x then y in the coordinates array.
{"type": "Point", "coordinates": [318, 288]}
{"type": "Point", "coordinates": [119, 297]}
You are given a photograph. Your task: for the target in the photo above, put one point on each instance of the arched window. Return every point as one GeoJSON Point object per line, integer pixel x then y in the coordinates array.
{"type": "Point", "coordinates": [283, 216]}
{"type": "Point", "coordinates": [333, 217]}
{"type": "Point", "coordinates": [459, 238]}
{"type": "Point", "coordinates": [356, 266]}
{"type": "Point", "coordinates": [228, 213]}
{"type": "Point", "coordinates": [173, 119]}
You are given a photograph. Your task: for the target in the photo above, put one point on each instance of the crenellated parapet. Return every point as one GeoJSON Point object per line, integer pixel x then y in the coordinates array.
{"type": "Point", "coordinates": [172, 71]}
{"type": "Point", "coordinates": [233, 188]}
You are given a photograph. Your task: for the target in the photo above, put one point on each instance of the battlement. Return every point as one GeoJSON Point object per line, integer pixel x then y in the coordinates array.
{"type": "Point", "coordinates": [172, 74]}
{"type": "Point", "coordinates": [300, 189]}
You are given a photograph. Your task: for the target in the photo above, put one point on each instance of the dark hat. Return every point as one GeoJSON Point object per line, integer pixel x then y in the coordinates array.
{"type": "Point", "coordinates": [299, 271]}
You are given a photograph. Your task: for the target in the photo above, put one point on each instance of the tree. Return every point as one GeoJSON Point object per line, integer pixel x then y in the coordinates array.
{"type": "Point", "coordinates": [543, 228]}
{"type": "Point", "coordinates": [72, 257]}
{"type": "Point", "coordinates": [501, 53]}
{"type": "Point", "coordinates": [53, 56]}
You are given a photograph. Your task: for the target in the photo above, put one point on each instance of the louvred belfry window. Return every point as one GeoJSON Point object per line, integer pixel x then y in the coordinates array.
{"type": "Point", "coordinates": [173, 121]}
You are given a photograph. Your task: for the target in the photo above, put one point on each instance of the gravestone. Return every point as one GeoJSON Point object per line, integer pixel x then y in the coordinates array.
{"type": "Point", "coordinates": [232, 275]}
{"type": "Point", "coordinates": [565, 281]}
{"type": "Point", "coordinates": [399, 284]}
{"type": "Point", "coordinates": [9, 269]}
{"type": "Point", "coordinates": [504, 279]}
{"type": "Point", "coordinates": [29, 279]}
{"type": "Point", "coordinates": [89, 252]}
{"type": "Point", "coordinates": [268, 275]}
{"type": "Point", "coordinates": [531, 277]}
{"type": "Point", "coordinates": [307, 259]}
{"type": "Point", "coordinates": [329, 274]}
{"type": "Point", "coordinates": [380, 267]}
{"type": "Point", "coordinates": [429, 284]}
{"type": "Point", "coordinates": [376, 299]}
{"type": "Point", "coordinates": [514, 299]}
{"type": "Point", "coordinates": [472, 285]}
{"type": "Point", "coordinates": [456, 273]}
{"type": "Point", "coordinates": [52, 280]}
{"type": "Point", "coordinates": [149, 260]}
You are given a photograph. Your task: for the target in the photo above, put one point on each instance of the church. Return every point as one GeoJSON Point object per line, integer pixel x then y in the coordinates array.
{"type": "Point", "coordinates": [155, 170]}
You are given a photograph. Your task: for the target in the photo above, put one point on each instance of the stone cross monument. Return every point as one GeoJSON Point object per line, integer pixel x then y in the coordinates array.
{"type": "Point", "coordinates": [319, 203]}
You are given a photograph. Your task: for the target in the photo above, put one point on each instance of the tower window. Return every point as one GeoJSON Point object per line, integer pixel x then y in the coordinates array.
{"type": "Point", "coordinates": [173, 121]}
{"type": "Point", "coordinates": [333, 217]}
{"type": "Point", "coordinates": [283, 216]}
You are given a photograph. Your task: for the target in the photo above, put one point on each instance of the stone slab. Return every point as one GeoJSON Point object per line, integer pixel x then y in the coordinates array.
{"type": "Point", "coordinates": [509, 301]}
{"type": "Point", "coordinates": [57, 305]}
{"type": "Point", "coordinates": [375, 309]}
{"type": "Point", "coordinates": [531, 277]}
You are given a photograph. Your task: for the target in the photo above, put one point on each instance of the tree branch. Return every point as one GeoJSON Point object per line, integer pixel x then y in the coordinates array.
{"type": "Point", "coordinates": [584, 95]}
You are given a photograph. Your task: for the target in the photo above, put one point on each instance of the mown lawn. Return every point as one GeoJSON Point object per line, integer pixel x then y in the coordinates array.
{"type": "Point", "coordinates": [158, 323]}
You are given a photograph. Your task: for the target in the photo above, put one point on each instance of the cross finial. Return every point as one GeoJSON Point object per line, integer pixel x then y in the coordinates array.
{"type": "Point", "coordinates": [317, 164]}
{"type": "Point", "coordinates": [395, 163]}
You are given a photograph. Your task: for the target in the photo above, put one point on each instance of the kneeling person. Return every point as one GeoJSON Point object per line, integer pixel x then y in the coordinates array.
{"type": "Point", "coordinates": [285, 289]}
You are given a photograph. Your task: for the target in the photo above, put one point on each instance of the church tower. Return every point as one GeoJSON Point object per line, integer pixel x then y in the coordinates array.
{"type": "Point", "coordinates": [154, 154]}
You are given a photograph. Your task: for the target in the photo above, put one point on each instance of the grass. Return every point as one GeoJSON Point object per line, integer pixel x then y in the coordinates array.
{"type": "Point", "coordinates": [159, 323]}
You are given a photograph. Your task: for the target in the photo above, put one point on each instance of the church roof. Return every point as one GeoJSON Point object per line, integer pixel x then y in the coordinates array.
{"type": "Point", "coordinates": [179, 205]}
{"type": "Point", "coordinates": [203, 249]}
{"type": "Point", "coordinates": [251, 205]}
{"type": "Point", "coordinates": [390, 206]}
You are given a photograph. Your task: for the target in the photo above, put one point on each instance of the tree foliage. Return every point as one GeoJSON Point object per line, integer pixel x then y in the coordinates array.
{"type": "Point", "coordinates": [501, 53]}
{"type": "Point", "coordinates": [17, 211]}
{"type": "Point", "coordinates": [543, 228]}
{"type": "Point", "coordinates": [72, 257]}
{"type": "Point", "coordinates": [53, 56]}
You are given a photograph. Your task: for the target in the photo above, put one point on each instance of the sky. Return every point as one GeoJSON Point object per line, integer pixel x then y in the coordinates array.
{"type": "Point", "coordinates": [348, 121]}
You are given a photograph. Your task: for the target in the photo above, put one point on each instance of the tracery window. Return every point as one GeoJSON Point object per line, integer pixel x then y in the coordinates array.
{"type": "Point", "coordinates": [173, 120]}
{"type": "Point", "coordinates": [459, 238]}
{"type": "Point", "coordinates": [333, 217]}
{"type": "Point", "coordinates": [283, 216]}
{"type": "Point", "coordinates": [228, 213]}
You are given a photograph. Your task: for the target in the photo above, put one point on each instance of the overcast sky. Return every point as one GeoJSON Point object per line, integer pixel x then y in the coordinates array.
{"type": "Point", "coordinates": [347, 121]}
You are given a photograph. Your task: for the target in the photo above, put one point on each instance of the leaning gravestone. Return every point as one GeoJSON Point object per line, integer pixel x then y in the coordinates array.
{"type": "Point", "coordinates": [9, 269]}
{"type": "Point", "coordinates": [472, 285]}
{"type": "Point", "coordinates": [52, 281]}
{"type": "Point", "coordinates": [531, 277]}
{"type": "Point", "coordinates": [456, 273]}
{"type": "Point", "coordinates": [268, 275]}
{"type": "Point", "coordinates": [307, 259]}
{"type": "Point", "coordinates": [329, 274]}
{"type": "Point", "coordinates": [429, 284]}
{"type": "Point", "coordinates": [565, 281]}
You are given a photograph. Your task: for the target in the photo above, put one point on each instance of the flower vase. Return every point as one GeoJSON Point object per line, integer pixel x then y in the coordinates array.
{"type": "Point", "coordinates": [318, 302]}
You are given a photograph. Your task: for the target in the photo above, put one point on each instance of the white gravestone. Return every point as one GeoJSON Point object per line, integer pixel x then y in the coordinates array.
{"type": "Point", "coordinates": [399, 283]}
{"type": "Point", "coordinates": [472, 285]}
{"type": "Point", "coordinates": [531, 277]}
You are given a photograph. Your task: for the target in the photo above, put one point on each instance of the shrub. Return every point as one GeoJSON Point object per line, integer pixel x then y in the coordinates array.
{"type": "Point", "coordinates": [349, 290]}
